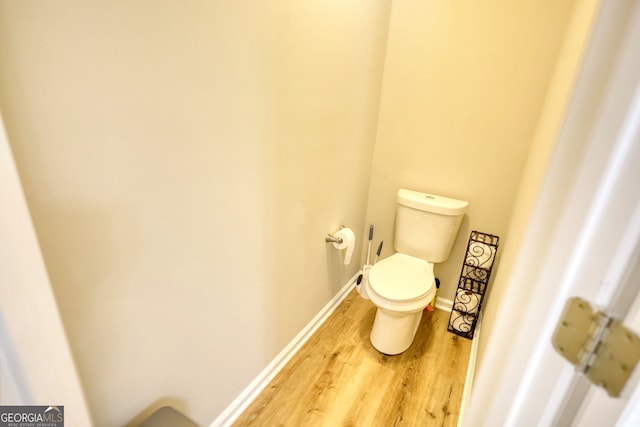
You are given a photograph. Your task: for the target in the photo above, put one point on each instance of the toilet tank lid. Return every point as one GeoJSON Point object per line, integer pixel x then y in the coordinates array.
{"type": "Point", "coordinates": [431, 202]}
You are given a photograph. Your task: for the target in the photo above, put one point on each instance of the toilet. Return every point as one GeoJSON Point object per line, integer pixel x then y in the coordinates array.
{"type": "Point", "coordinates": [402, 285]}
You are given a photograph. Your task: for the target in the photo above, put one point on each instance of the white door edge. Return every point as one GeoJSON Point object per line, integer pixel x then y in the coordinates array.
{"type": "Point", "coordinates": [36, 365]}
{"type": "Point", "coordinates": [524, 382]}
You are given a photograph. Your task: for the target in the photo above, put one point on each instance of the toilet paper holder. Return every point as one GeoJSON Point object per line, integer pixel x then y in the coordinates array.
{"type": "Point", "coordinates": [344, 240]}
{"type": "Point", "coordinates": [330, 238]}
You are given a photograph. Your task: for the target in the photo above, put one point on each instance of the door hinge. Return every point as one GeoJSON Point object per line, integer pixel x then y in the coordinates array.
{"type": "Point", "coordinates": [598, 345]}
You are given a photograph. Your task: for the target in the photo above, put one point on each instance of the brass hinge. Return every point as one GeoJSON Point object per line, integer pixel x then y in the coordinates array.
{"type": "Point", "coordinates": [598, 345]}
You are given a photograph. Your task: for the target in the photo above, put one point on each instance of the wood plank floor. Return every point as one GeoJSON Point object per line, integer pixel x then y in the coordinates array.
{"type": "Point", "coordinates": [338, 379]}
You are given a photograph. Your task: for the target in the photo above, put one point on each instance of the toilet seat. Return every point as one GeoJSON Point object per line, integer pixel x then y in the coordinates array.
{"type": "Point", "coordinates": [402, 278]}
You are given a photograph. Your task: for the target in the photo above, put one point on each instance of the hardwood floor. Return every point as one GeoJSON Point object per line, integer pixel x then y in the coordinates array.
{"type": "Point", "coordinates": [338, 379]}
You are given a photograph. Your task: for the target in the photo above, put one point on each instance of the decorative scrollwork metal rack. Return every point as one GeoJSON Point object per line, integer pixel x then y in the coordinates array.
{"type": "Point", "coordinates": [474, 279]}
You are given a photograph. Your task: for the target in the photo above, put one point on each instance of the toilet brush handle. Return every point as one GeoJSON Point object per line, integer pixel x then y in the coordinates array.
{"type": "Point", "coordinates": [378, 251]}
{"type": "Point", "coordinates": [369, 244]}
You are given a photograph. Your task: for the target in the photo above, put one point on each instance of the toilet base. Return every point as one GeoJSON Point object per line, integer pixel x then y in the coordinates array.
{"type": "Point", "coordinates": [393, 331]}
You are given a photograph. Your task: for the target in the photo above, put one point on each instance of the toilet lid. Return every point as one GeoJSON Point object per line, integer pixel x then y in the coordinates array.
{"type": "Point", "coordinates": [401, 277]}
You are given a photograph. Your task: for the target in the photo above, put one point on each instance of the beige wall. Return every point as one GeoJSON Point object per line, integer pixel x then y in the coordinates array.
{"type": "Point", "coordinates": [182, 162]}
{"type": "Point", "coordinates": [542, 147]}
{"type": "Point", "coordinates": [463, 86]}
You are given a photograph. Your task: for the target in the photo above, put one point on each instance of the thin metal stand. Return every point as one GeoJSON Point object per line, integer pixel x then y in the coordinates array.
{"type": "Point", "coordinates": [472, 285]}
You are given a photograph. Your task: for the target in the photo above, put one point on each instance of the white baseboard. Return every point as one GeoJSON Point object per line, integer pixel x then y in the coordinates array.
{"type": "Point", "coordinates": [471, 369]}
{"type": "Point", "coordinates": [444, 304]}
{"type": "Point", "coordinates": [235, 409]}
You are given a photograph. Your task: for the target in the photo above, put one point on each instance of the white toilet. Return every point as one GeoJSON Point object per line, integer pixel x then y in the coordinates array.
{"type": "Point", "coordinates": [402, 285]}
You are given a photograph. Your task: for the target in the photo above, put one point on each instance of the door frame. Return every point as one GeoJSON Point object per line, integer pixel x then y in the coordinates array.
{"type": "Point", "coordinates": [521, 380]}
{"type": "Point", "coordinates": [36, 364]}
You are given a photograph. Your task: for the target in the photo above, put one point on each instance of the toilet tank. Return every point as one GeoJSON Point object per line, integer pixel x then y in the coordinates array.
{"type": "Point", "coordinates": [427, 225]}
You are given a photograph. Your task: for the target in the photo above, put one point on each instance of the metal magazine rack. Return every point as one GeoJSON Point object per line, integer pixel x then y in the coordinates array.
{"type": "Point", "coordinates": [474, 278]}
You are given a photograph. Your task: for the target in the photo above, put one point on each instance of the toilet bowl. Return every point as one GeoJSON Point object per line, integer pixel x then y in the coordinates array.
{"type": "Point", "coordinates": [401, 286]}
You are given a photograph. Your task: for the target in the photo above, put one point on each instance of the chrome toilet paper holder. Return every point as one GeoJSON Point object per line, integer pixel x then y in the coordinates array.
{"type": "Point", "coordinates": [332, 239]}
